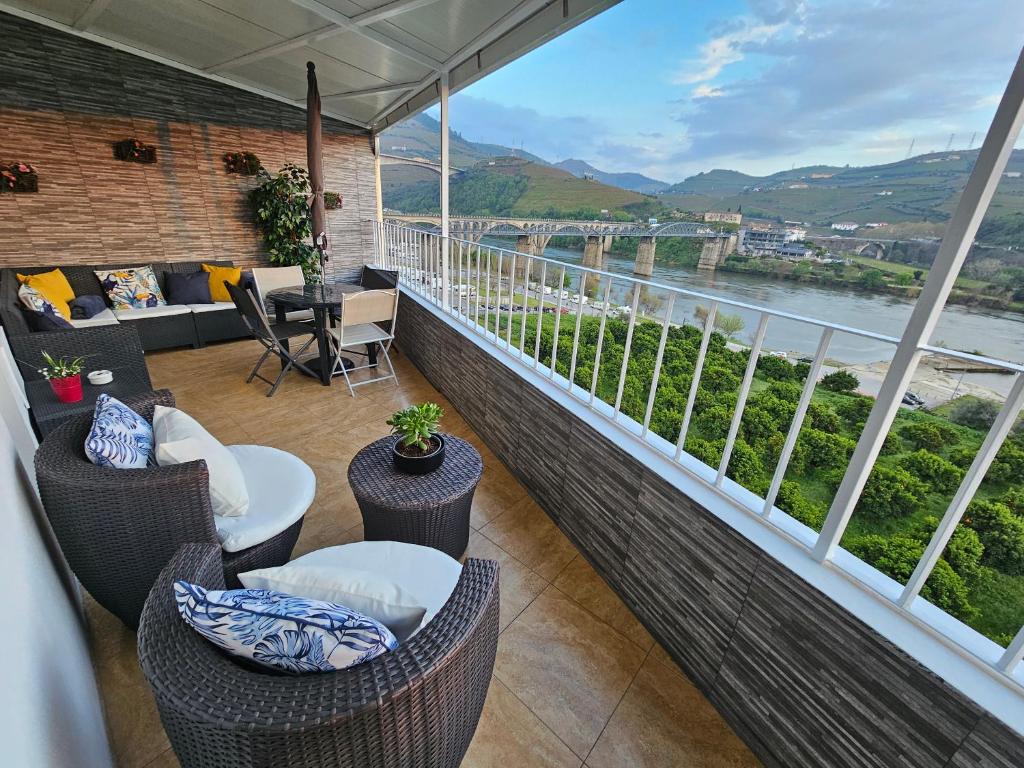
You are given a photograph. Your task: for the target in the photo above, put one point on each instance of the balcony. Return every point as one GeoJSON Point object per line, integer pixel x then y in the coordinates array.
{"type": "Point", "coordinates": [577, 677]}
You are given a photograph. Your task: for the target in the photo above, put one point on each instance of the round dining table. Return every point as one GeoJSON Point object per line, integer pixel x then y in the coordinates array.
{"type": "Point", "coordinates": [325, 302]}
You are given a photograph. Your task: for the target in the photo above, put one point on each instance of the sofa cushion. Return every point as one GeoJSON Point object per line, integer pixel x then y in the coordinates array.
{"type": "Point", "coordinates": [401, 585]}
{"type": "Point", "coordinates": [131, 287]}
{"type": "Point", "coordinates": [40, 313]}
{"type": "Point", "coordinates": [220, 275]}
{"type": "Point", "coordinates": [179, 438]}
{"type": "Point", "coordinates": [119, 437]}
{"type": "Point", "coordinates": [187, 287]}
{"type": "Point", "coordinates": [281, 488]}
{"type": "Point", "coordinates": [52, 286]}
{"type": "Point", "coordinates": [281, 631]}
{"type": "Point", "coordinates": [106, 317]}
{"type": "Point", "coordinates": [217, 306]}
{"type": "Point", "coordinates": [84, 307]}
{"type": "Point", "coordinates": [145, 313]}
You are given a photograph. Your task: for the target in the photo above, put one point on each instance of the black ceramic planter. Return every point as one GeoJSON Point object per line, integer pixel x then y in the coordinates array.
{"type": "Point", "coordinates": [418, 465]}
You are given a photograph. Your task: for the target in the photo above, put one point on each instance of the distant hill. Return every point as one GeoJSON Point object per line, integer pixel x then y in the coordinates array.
{"type": "Point", "coordinates": [504, 186]}
{"type": "Point", "coordinates": [421, 137]}
{"type": "Point", "coordinates": [635, 182]}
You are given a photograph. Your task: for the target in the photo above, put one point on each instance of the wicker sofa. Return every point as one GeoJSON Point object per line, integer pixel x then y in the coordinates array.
{"type": "Point", "coordinates": [174, 326]}
{"type": "Point", "coordinates": [118, 528]}
{"type": "Point", "coordinates": [416, 706]}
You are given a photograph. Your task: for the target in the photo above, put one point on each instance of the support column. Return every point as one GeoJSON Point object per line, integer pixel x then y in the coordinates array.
{"type": "Point", "coordinates": [376, 178]}
{"type": "Point", "coordinates": [715, 250]}
{"type": "Point", "coordinates": [608, 240]}
{"type": "Point", "coordinates": [644, 264]}
{"type": "Point", "coordinates": [445, 165]}
{"type": "Point", "coordinates": [593, 257]}
{"type": "Point", "coordinates": [524, 244]}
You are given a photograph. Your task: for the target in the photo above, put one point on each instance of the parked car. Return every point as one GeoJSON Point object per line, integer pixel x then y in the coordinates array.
{"type": "Point", "coordinates": [909, 398]}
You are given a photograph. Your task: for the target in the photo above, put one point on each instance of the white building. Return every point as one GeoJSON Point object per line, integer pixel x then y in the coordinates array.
{"type": "Point", "coordinates": [845, 226]}
{"type": "Point", "coordinates": [795, 233]}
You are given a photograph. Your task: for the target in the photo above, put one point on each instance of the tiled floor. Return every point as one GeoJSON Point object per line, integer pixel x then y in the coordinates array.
{"type": "Point", "coordinates": [577, 681]}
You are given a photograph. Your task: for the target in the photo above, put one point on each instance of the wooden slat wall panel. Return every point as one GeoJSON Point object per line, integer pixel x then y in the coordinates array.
{"type": "Point", "coordinates": [801, 680]}
{"type": "Point", "coordinates": [64, 100]}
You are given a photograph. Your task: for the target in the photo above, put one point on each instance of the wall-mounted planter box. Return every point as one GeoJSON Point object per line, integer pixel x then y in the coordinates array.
{"type": "Point", "coordinates": [242, 163]}
{"type": "Point", "coordinates": [333, 201]}
{"type": "Point", "coordinates": [18, 177]}
{"type": "Point", "coordinates": [134, 151]}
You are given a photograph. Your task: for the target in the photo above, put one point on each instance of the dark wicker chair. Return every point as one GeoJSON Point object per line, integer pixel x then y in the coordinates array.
{"type": "Point", "coordinates": [119, 528]}
{"type": "Point", "coordinates": [416, 706]}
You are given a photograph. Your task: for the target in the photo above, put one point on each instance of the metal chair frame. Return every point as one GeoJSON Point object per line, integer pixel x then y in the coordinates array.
{"type": "Point", "coordinates": [338, 342]}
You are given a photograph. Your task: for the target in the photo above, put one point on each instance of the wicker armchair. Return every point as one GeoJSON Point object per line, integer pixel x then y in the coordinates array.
{"type": "Point", "coordinates": [416, 706]}
{"type": "Point", "coordinates": [119, 528]}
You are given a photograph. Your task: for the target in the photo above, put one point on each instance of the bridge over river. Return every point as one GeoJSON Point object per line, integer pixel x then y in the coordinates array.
{"type": "Point", "coordinates": [533, 235]}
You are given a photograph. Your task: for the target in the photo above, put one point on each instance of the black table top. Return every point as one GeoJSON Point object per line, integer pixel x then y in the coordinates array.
{"type": "Point", "coordinates": [328, 295]}
{"type": "Point", "coordinates": [48, 411]}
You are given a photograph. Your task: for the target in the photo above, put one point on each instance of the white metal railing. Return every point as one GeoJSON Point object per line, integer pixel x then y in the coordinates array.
{"type": "Point", "coordinates": [502, 296]}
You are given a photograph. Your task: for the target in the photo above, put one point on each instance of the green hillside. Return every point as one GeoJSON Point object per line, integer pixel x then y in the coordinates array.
{"type": "Point", "coordinates": [506, 186]}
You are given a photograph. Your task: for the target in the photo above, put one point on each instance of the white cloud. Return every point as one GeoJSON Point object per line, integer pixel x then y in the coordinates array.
{"type": "Point", "coordinates": [706, 91]}
{"type": "Point", "coordinates": [721, 51]}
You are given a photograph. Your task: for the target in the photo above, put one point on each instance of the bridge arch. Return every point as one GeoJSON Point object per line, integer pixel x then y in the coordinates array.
{"type": "Point", "coordinates": [872, 250]}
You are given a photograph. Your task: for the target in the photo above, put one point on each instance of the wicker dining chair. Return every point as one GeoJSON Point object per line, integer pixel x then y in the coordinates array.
{"type": "Point", "coordinates": [118, 528]}
{"type": "Point", "coordinates": [417, 706]}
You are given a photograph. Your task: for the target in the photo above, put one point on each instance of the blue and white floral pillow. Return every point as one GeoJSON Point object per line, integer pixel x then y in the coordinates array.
{"type": "Point", "coordinates": [294, 634]}
{"type": "Point", "coordinates": [119, 438]}
{"type": "Point", "coordinates": [131, 288]}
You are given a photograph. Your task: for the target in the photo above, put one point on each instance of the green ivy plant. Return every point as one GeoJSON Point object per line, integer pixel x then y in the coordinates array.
{"type": "Point", "coordinates": [416, 424]}
{"type": "Point", "coordinates": [282, 217]}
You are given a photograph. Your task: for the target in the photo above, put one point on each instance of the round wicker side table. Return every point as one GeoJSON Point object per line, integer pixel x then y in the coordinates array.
{"type": "Point", "coordinates": [431, 509]}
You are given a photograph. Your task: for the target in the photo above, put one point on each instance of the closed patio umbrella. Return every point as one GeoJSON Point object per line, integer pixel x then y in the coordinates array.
{"type": "Point", "coordinates": [315, 161]}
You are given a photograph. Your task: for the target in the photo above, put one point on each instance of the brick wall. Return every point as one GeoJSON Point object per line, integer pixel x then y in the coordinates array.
{"type": "Point", "coordinates": [64, 100]}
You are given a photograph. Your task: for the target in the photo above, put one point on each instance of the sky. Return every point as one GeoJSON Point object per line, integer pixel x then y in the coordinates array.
{"type": "Point", "coordinates": [671, 88]}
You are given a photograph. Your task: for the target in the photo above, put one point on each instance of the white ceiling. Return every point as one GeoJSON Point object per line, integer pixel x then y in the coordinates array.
{"type": "Point", "coordinates": [377, 61]}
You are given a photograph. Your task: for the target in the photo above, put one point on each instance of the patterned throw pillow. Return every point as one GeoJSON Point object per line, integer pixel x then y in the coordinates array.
{"type": "Point", "coordinates": [48, 317]}
{"type": "Point", "coordinates": [119, 437]}
{"type": "Point", "coordinates": [132, 288]}
{"type": "Point", "coordinates": [281, 631]}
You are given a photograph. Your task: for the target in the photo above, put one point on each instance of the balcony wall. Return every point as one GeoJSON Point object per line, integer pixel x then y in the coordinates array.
{"type": "Point", "coordinates": [802, 680]}
{"type": "Point", "coordinates": [64, 100]}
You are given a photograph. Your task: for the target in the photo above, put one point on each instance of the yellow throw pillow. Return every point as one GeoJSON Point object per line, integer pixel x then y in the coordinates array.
{"type": "Point", "coordinates": [218, 275]}
{"type": "Point", "coordinates": [53, 287]}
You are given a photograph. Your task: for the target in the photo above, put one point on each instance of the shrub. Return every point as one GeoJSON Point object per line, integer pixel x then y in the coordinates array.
{"type": "Point", "coordinates": [943, 476]}
{"type": "Point", "coordinates": [840, 381]}
{"type": "Point", "coordinates": [781, 411]}
{"type": "Point", "coordinates": [962, 456]}
{"type": "Point", "coordinates": [1002, 534]}
{"type": "Point", "coordinates": [928, 435]}
{"type": "Point", "coordinates": [708, 451]}
{"type": "Point", "coordinates": [824, 418]}
{"type": "Point", "coordinates": [776, 368]}
{"type": "Point", "coordinates": [854, 409]}
{"type": "Point", "coordinates": [714, 422]}
{"type": "Point", "coordinates": [791, 500]}
{"type": "Point", "coordinates": [746, 469]}
{"type": "Point", "coordinates": [1014, 499]}
{"type": "Point", "coordinates": [719, 379]}
{"type": "Point", "coordinates": [758, 424]}
{"type": "Point", "coordinates": [817, 449]}
{"type": "Point", "coordinates": [974, 412]}
{"type": "Point", "coordinates": [786, 391]}
{"type": "Point", "coordinates": [890, 492]}
{"type": "Point", "coordinates": [1008, 464]}
{"type": "Point", "coordinates": [892, 444]}
{"type": "Point", "coordinates": [897, 556]}
{"type": "Point", "coordinates": [964, 553]}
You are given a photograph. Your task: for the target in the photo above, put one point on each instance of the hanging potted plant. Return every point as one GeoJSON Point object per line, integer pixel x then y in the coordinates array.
{"type": "Point", "coordinates": [418, 446]}
{"type": "Point", "coordinates": [18, 177]}
{"type": "Point", "coordinates": [65, 377]}
{"type": "Point", "coordinates": [243, 163]}
{"type": "Point", "coordinates": [134, 151]}
{"type": "Point", "coordinates": [332, 201]}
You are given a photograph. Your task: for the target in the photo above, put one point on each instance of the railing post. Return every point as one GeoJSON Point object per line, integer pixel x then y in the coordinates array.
{"type": "Point", "coordinates": [959, 238]}
{"type": "Point", "coordinates": [445, 163]}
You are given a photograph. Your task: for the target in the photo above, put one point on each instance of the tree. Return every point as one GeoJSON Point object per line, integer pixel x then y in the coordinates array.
{"type": "Point", "coordinates": [776, 368]}
{"type": "Point", "coordinates": [890, 492]}
{"type": "Point", "coordinates": [873, 279]}
{"type": "Point", "coordinates": [730, 325]}
{"type": "Point", "coordinates": [974, 412]}
{"type": "Point", "coordinates": [791, 500]}
{"type": "Point", "coordinates": [903, 279]}
{"type": "Point", "coordinates": [897, 556]}
{"type": "Point", "coordinates": [928, 435]}
{"type": "Point", "coordinates": [942, 475]}
{"type": "Point", "coordinates": [1002, 534]}
{"type": "Point", "coordinates": [840, 381]}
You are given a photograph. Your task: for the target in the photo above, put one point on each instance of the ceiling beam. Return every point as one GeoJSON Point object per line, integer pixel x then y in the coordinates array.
{"type": "Point", "coordinates": [346, 24]}
{"type": "Point", "coordinates": [513, 18]}
{"type": "Point", "coordinates": [90, 14]}
{"type": "Point", "coordinates": [378, 89]}
{"type": "Point", "coordinates": [389, 11]}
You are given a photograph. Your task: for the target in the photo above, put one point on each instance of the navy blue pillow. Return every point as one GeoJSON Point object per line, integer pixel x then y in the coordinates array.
{"type": "Point", "coordinates": [187, 287]}
{"type": "Point", "coordinates": [84, 307]}
{"type": "Point", "coordinates": [45, 321]}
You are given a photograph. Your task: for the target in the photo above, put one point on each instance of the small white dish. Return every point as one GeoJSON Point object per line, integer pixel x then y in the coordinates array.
{"type": "Point", "coordinates": [100, 377]}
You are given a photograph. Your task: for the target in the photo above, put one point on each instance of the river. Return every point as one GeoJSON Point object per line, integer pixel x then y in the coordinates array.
{"type": "Point", "coordinates": [990, 332]}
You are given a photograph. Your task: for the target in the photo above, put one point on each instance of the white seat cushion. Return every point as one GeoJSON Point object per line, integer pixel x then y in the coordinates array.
{"type": "Point", "coordinates": [401, 585]}
{"type": "Point", "coordinates": [143, 313]}
{"type": "Point", "coordinates": [106, 317]}
{"type": "Point", "coordinates": [296, 316]}
{"type": "Point", "coordinates": [361, 334]}
{"type": "Point", "coordinates": [217, 306]}
{"type": "Point", "coordinates": [281, 488]}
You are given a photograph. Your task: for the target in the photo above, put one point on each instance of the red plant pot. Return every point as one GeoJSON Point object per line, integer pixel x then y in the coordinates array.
{"type": "Point", "coordinates": [68, 389]}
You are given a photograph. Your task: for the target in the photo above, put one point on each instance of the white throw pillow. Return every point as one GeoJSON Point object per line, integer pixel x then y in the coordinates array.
{"type": "Point", "coordinates": [400, 585]}
{"type": "Point", "coordinates": [180, 438]}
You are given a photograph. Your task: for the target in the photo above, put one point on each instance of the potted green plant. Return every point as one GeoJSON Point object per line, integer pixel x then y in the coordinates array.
{"type": "Point", "coordinates": [418, 446]}
{"type": "Point", "coordinates": [65, 376]}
